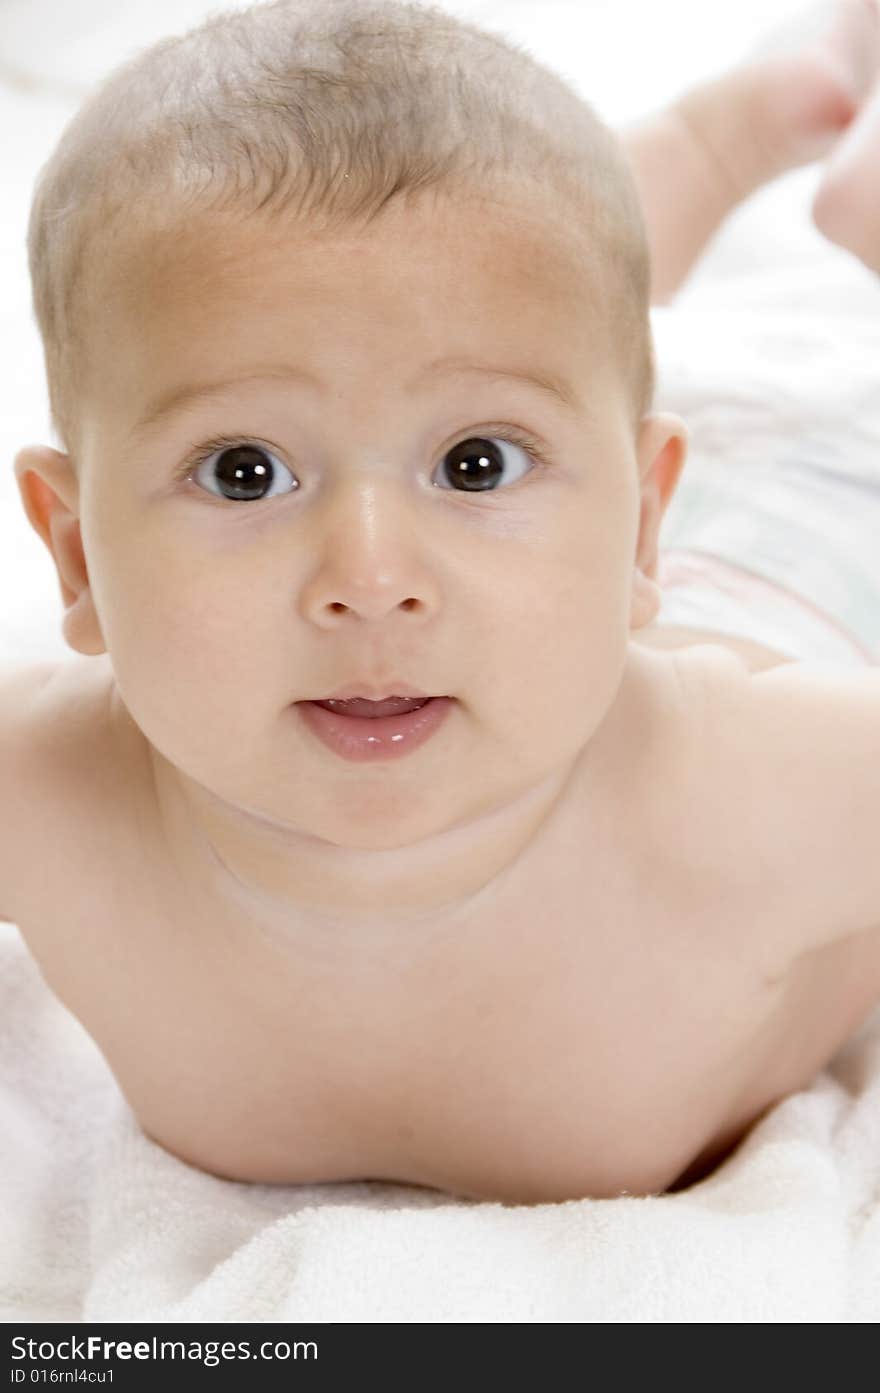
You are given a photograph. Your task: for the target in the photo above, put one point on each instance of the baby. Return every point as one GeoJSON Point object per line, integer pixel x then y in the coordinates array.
{"type": "Point", "coordinates": [379, 830]}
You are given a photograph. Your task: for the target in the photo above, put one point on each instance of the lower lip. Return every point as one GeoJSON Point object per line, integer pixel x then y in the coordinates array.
{"type": "Point", "coordinates": [360, 738]}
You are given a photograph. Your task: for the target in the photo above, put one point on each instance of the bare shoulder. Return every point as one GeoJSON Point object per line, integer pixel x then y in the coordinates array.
{"type": "Point", "coordinates": [22, 689]}
{"type": "Point", "coordinates": [718, 856]}
{"type": "Point", "coordinates": [695, 710]}
{"type": "Point", "coordinates": [54, 749]}
{"type": "Point", "coordinates": [71, 719]}
{"type": "Point", "coordinates": [685, 764]}
{"type": "Point", "coordinates": [792, 771]}
{"type": "Point", "coordinates": [818, 731]}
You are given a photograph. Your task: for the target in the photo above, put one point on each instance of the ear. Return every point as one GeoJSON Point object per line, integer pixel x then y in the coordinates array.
{"type": "Point", "coordinates": [662, 450]}
{"type": "Point", "coordinates": [49, 491]}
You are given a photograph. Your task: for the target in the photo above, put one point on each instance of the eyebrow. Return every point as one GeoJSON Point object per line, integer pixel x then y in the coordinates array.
{"type": "Point", "coordinates": [556, 388]}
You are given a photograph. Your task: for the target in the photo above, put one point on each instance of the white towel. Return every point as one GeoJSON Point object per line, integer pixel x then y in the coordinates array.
{"type": "Point", "coordinates": [97, 1223]}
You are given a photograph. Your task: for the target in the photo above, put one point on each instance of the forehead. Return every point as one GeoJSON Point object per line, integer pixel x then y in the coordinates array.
{"type": "Point", "coordinates": [475, 275]}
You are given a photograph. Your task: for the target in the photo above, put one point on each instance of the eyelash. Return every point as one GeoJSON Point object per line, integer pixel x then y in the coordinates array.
{"type": "Point", "coordinates": [198, 453]}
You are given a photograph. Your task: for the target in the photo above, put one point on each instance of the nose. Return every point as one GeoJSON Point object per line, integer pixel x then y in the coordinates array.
{"type": "Point", "coordinates": [372, 561]}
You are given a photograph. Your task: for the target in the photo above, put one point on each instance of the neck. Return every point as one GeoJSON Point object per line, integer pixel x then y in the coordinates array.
{"type": "Point", "coordinates": [280, 870]}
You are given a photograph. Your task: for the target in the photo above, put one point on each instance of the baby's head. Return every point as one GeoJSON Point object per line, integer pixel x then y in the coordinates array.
{"type": "Point", "coordinates": [345, 315]}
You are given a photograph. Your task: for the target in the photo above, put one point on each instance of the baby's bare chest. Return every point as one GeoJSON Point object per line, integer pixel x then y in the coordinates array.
{"type": "Point", "coordinates": [571, 1040]}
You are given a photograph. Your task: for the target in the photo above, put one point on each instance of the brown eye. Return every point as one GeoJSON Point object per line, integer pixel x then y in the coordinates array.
{"type": "Point", "coordinates": [476, 465]}
{"type": "Point", "coordinates": [242, 473]}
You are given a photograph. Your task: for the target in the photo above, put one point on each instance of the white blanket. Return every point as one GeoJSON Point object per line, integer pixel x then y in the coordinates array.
{"type": "Point", "coordinates": [99, 1224]}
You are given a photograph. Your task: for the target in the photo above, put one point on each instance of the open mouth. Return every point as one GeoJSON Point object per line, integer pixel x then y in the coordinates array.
{"type": "Point", "coordinates": [359, 729]}
{"type": "Point", "coordinates": [361, 706]}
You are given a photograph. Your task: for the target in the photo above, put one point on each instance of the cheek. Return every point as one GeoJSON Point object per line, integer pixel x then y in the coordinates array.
{"type": "Point", "coordinates": [212, 629]}
{"type": "Point", "coordinates": [559, 643]}
{"type": "Point", "coordinates": [200, 664]}
{"type": "Point", "coordinates": [174, 623]}
{"type": "Point", "coordinates": [581, 582]}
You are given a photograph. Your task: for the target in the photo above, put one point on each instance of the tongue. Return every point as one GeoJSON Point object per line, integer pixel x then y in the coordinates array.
{"type": "Point", "coordinates": [360, 706]}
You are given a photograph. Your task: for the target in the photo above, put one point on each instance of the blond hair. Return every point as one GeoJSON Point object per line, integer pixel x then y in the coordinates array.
{"type": "Point", "coordinates": [325, 109]}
